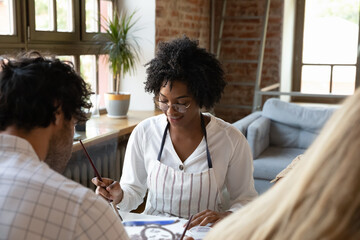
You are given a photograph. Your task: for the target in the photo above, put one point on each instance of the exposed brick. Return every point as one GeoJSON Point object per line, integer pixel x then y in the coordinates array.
{"type": "Point", "coordinates": [159, 12]}
{"type": "Point", "coordinates": [174, 13]}
{"type": "Point", "coordinates": [192, 18]}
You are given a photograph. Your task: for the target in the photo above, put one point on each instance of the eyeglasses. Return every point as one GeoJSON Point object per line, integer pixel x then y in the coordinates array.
{"type": "Point", "coordinates": [181, 108]}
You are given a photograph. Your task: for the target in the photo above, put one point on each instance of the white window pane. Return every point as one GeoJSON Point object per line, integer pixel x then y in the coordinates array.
{"type": "Point", "coordinates": [331, 31]}
{"type": "Point", "coordinates": [7, 23]}
{"type": "Point", "coordinates": [88, 70]}
{"type": "Point", "coordinates": [343, 79]}
{"type": "Point", "coordinates": [315, 79]}
{"type": "Point", "coordinates": [106, 9]}
{"type": "Point", "coordinates": [105, 78]}
{"type": "Point", "coordinates": [44, 17]}
{"type": "Point", "coordinates": [91, 16]}
{"type": "Point", "coordinates": [64, 16]}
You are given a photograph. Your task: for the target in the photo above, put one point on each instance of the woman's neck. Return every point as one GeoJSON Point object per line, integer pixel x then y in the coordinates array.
{"type": "Point", "coordinates": [186, 139]}
{"type": "Point", "coordinates": [192, 130]}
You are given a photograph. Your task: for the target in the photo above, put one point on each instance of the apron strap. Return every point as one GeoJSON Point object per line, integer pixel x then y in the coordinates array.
{"type": "Point", "coordinates": [205, 135]}
{"type": "Point", "coordinates": [204, 132]}
{"type": "Point", "coordinates": [163, 141]}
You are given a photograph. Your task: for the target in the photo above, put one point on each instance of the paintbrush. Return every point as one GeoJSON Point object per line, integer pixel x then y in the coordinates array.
{"type": "Point", "coordinates": [99, 177]}
{"type": "Point", "coordinates": [186, 227]}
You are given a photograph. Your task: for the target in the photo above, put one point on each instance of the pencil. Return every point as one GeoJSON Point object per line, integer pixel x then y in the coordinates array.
{"type": "Point", "coordinates": [100, 179]}
{"type": "Point", "coordinates": [186, 227]}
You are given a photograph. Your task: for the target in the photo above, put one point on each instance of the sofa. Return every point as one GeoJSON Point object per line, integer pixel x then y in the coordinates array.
{"type": "Point", "coordinates": [278, 134]}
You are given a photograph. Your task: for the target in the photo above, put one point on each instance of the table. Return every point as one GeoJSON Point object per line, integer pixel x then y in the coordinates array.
{"type": "Point", "coordinates": [104, 128]}
{"type": "Point", "coordinates": [152, 227]}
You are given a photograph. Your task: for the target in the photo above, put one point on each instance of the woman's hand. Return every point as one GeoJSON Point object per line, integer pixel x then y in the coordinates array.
{"type": "Point", "coordinates": [207, 216]}
{"type": "Point", "coordinates": [108, 189]}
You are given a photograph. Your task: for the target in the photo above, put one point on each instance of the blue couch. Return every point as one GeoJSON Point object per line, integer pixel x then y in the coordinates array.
{"type": "Point", "coordinates": [279, 133]}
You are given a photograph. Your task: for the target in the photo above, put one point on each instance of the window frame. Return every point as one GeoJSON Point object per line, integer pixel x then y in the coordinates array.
{"type": "Point", "coordinates": [52, 43]}
{"type": "Point", "coordinates": [85, 36]}
{"type": "Point", "coordinates": [26, 37]}
{"type": "Point", "coordinates": [34, 35]}
{"type": "Point", "coordinates": [298, 61]}
{"type": "Point", "coordinates": [18, 37]}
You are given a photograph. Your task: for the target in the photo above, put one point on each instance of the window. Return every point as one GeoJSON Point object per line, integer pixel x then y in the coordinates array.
{"type": "Point", "coordinates": [53, 15]}
{"type": "Point", "coordinates": [7, 17]}
{"type": "Point", "coordinates": [96, 12]}
{"type": "Point", "coordinates": [326, 48]}
{"type": "Point", "coordinates": [10, 20]}
{"type": "Point", "coordinates": [54, 20]}
{"type": "Point", "coordinates": [53, 27]}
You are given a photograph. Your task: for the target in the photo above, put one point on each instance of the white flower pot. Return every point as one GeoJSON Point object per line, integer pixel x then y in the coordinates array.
{"type": "Point", "coordinates": [117, 105]}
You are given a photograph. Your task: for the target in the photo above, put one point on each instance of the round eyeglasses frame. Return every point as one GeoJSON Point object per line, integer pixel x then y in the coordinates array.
{"type": "Point", "coordinates": [181, 108]}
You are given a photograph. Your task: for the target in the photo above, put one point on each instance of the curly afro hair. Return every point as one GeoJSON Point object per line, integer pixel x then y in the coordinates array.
{"type": "Point", "coordinates": [182, 60]}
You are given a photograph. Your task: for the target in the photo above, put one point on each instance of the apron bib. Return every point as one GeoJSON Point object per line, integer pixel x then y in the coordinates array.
{"type": "Point", "coordinates": [176, 193]}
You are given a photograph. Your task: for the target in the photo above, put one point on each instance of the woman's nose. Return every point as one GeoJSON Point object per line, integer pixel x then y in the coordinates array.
{"type": "Point", "coordinates": [170, 109]}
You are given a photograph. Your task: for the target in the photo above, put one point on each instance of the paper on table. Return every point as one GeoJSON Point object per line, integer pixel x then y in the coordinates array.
{"type": "Point", "coordinates": [154, 228]}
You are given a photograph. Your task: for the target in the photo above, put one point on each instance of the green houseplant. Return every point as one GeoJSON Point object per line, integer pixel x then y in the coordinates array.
{"type": "Point", "coordinates": [122, 46]}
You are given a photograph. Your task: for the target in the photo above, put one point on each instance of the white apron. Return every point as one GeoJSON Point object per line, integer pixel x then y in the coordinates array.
{"type": "Point", "coordinates": [176, 193]}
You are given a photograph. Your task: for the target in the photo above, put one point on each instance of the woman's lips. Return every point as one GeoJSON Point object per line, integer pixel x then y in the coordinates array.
{"type": "Point", "coordinates": [174, 118]}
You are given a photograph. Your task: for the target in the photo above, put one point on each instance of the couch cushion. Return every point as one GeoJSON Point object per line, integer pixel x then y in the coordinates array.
{"type": "Point", "coordinates": [244, 123]}
{"type": "Point", "coordinates": [282, 135]}
{"type": "Point", "coordinates": [258, 135]}
{"type": "Point", "coordinates": [273, 160]}
{"type": "Point", "coordinates": [288, 169]}
{"type": "Point", "coordinates": [262, 185]}
{"type": "Point", "coordinates": [310, 119]}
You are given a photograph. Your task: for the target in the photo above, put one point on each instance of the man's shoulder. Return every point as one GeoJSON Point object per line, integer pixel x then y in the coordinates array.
{"type": "Point", "coordinates": [63, 189]}
{"type": "Point", "coordinates": [42, 194]}
{"type": "Point", "coordinates": [44, 180]}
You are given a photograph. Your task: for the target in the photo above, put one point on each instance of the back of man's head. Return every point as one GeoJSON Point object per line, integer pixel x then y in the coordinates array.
{"type": "Point", "coordinates": [33, 89]}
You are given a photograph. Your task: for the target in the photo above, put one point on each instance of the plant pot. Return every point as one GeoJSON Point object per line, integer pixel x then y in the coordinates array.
{"type": "Point", "coordinates": [81, 126]}
{"type": "Point", "coordinates": [117, 104]}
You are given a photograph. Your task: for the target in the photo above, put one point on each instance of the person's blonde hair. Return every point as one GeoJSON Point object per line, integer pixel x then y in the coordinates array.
{"type": "Point", "coordinates": [318, 199]}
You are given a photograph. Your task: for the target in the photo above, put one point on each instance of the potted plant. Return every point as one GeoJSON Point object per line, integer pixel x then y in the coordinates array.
{"type": "Point", "coordinates": [122, 46]}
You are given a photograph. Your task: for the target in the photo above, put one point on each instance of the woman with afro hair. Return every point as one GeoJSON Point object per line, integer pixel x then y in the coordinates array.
{"type": "Point", "coordinates": [184, 159]}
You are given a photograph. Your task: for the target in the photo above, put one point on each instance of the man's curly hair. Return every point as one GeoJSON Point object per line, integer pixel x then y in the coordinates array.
{"type": "Point", "coordinates": [182, 60]}
{"type": "Point", "coordinates": [33, 89]}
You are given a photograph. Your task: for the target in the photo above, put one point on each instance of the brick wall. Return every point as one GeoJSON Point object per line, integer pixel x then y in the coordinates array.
{"type": "Point", "coordinates": [175, 18]}
{"type": "Point", "coordinates": [192, 17]}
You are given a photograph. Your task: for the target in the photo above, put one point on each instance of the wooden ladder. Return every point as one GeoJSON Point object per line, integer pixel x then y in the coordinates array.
{"type": "Point", "coordinates": [259, 61]}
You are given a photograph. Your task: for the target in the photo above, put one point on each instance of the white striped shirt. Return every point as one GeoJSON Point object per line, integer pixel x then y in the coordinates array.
{"type": "Point", "coordinates": [39, 203]}
{"type": "Point", "coordinates": [229, 150]}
